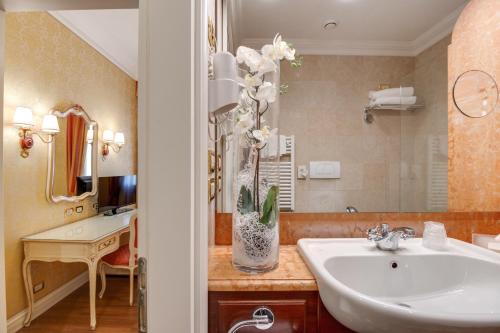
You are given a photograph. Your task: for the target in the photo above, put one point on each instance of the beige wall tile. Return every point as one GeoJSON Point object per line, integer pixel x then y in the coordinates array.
{"type": "Point", "coordinates": [323, 109]}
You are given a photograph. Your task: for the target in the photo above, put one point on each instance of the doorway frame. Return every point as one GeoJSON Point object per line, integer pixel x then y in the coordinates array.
{"type": "Point", "coordinates": [194, 270]}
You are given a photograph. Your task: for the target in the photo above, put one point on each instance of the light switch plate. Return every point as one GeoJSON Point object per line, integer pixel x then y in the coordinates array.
{"type": "Point", "coordinates": [302, 172]}
{"type": "Point", "coordinates": [324, 169]}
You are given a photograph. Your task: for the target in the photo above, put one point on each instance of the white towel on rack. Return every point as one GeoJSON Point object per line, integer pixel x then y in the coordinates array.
{"type": "Point", "coordinates": [409, 100]}
{"type": "Point", "coordinates": [392, 92]}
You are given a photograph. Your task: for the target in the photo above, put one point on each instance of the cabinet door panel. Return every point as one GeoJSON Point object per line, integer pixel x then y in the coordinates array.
{"type": "Point", "coordinates": [293, 312]}
{"type": "Point", "coordinates": [289, 315]}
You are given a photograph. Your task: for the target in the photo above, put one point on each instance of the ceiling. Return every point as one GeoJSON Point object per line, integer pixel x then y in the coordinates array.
{"type": "Point", "coordinates": [112, 32]}
{"type": "Point", "coordinates": [34, 5]}
{"type": "Point", "coordinates": [385, 27]}
{"type": "Point", "coordinates": [365, 27]}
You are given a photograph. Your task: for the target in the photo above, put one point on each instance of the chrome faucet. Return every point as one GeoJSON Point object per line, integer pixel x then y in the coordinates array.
{"type": "Point", "coordinates": [351, 209]}
{"type": "Point", "coordinates": [386, 239]}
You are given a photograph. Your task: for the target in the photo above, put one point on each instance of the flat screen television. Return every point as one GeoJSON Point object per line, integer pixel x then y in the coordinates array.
{"type": "Point", "coordinates": [116, 192]}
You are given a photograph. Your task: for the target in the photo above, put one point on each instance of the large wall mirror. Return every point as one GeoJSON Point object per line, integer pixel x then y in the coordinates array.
{"type": "Point", "coordinates": [389, 159]}
{"type": "Point", "coordinates": [72, 157]}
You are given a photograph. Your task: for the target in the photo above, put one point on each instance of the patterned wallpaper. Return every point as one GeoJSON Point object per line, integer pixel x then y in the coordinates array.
{"type": "Point", "coordinates": [47, 65]}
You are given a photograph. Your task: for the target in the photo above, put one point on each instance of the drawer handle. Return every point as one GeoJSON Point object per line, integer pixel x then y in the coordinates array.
{"type": "Point", "coordinates": [262, 319]}
{"type": "Point", "coordinates": [107, 243]}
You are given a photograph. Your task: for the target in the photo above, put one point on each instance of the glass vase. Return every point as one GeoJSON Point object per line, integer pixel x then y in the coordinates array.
{"type": "Point", "coordinates": [255, 240]}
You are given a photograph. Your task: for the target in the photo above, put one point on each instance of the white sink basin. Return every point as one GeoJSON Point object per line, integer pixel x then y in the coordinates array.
{"type": "Point", "coordinates": [413, 289]}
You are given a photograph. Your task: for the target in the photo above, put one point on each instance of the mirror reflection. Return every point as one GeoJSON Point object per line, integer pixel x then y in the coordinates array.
{"type": "Point", "coordinates": [475, 93]}
{"type": "Point", "coordinates": [73, 156]}
{"type": "Point", "coordinates": [361, 130]}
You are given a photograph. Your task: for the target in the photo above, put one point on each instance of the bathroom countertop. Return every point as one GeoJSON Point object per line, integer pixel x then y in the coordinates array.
{"type": "Point", "coordinates": [292, 273]}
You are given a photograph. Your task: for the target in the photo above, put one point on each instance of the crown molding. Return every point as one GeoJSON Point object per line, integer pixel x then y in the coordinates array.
{"type": "Point", "coordinates": [341, 47]}
{"type": "Point", "coordinates": [437, 32]}
{"type": "Point", "coordinates": [369, 48]}
{"type": "Point", "coordinates": [91, 42]}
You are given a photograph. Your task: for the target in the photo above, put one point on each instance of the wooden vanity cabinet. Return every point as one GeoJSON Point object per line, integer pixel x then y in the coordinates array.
{"type": "Point", "coordinates": [295, 311]}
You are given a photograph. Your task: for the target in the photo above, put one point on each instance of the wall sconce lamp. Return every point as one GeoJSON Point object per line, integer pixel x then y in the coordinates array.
{"type": "Point", "coordinates": [23, 120]}
{"type": "Point", "coordinates": [223, 92]}
{"type": "Point", "coordinates": [113, 140]}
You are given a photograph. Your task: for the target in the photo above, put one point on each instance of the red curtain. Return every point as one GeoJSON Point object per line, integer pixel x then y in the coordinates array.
{"type": "Point", "coordinates": [75, 147]}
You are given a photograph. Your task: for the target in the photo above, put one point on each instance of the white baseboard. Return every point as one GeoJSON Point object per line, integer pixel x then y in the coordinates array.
{"type": "Point", "coordinates": [15, 323]}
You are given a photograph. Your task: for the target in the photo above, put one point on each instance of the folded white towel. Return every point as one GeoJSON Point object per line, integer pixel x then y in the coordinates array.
{"type": "Point", "coordinates": [410, 100]}
{"type": "Point", "coordinates": [392, 92]}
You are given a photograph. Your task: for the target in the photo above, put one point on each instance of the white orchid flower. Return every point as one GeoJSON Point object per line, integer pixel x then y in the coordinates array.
{"type": "Point", "coordinates": [266, 92]}
{"type": "Point", "coordinates": [245, 100]}
{"type": "Point", "coordinates": [278, 50]}
{"type": "Point", "coordinates": [255, 61]}
{"type": "Point", "coordinates": [266, 65]}
{"type": "Point", "coordinates": [244, 121]}
{"type": "Point", "coordinates": [262, 136]}
{"type": "Point", "coordinates": [249, 57]}
{"type": "Point", "coordinates": [252, 81]}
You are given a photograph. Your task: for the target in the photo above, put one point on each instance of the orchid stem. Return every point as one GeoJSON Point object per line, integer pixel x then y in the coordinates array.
{"type": "Point", "coordinates": [256, 179]}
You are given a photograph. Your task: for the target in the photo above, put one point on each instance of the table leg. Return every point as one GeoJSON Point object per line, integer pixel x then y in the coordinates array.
{"type": "Point", "coordinates": [92, 289]}
{"type": "Point", "coordinates": [28, 286]}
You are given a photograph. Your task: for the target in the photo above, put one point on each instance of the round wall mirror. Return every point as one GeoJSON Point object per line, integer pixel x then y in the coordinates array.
{"type": "Point", "coordinates": [475, 93]}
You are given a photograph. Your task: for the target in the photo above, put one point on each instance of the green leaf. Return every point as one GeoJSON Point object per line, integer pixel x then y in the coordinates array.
{"type": "Point", "coordinates": [297, 63]}
{"type": "Point", "coordinates": [245, 203]}
{"type": "Point", "coordinates": [269, 209]}
{"type": "Point", "coordinates": [283, 89]}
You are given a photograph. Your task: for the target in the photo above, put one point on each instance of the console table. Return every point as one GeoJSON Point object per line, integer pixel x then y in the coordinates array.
{"type": "Point", "coordinates": [84, 241]}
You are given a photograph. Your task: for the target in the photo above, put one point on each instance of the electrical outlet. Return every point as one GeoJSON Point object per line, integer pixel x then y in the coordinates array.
{"type": "Point", "coordinates": [38, 287]}
{"type": "Point", "coordinates": [95, 205]}
{"type": "Point", "coordinates": [79, 209]}
{"type": "Point", "coordinates": [69, 211]}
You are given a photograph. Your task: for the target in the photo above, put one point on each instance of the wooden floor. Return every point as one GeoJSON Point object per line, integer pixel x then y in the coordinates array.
{"type": "Point", "coordinates": [71, 315]}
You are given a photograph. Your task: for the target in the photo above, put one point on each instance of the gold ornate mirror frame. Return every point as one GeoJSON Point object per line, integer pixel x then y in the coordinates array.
{"type": "Point", "coordinates": [77, 110]}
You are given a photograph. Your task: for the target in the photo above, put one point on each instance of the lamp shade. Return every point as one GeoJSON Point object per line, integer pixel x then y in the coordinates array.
{"type": "Point", "coordinates": [224, 90]}
{"type": "Point", "coordinates": [225, 66]}
{"type": "Point", "coordinates": [223, 96]}
{"type": "Point", "coordinates": [23, 118]}
{"type": "Point", "coordinates": [119, 138]}
{"type": "Point", "coordinates": [50, 124]}
{"type": "Point", "coordinates": [107, 136]}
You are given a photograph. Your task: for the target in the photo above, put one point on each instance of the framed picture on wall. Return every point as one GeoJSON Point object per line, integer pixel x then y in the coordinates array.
{"type": "Point", "coordinates": [219, 162]}
{"type": "Point", "coordinates": [211, 189]}
{"type": "Point", "coordinates": [212, 39]}
{"type": "Point", "coordinates": [211, 161]}
{"type": "Point", "coordinates": [219, 183]}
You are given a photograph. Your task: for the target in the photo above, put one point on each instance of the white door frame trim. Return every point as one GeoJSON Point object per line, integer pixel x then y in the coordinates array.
{"type": "Point", "coordinates": [200, 120]}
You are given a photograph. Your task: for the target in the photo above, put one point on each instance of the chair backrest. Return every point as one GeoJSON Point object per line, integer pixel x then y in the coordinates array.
{"type": "Point", "coordinates": [132, 242]}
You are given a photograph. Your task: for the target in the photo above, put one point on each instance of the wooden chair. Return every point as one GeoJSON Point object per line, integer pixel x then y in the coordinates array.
{"type": "Point", "coordinates": [123, 258]}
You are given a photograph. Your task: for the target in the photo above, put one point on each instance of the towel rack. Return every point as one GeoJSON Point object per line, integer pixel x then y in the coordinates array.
{"type": "Point", "coordinates": [368, 117]}
{"type": "Point", "coordinates": [285, 174]}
